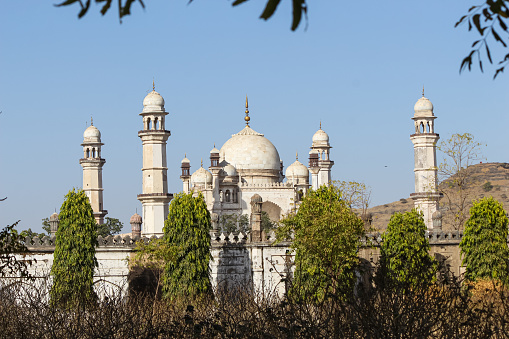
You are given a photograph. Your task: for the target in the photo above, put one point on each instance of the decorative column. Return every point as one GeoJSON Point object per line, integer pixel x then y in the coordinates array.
{"type": "Point", "coordinates": [321, 150]}
{"type": "Point", "coordinates": [426, 194]}
{"type": "Point", "coordinates": [155, 197]}
{"type": "Point", "coordinates": [135, 222]}
{"type": "Point", "coordinates": [256, 218]}
{"type": "Point", "coordinates": [92, 164]}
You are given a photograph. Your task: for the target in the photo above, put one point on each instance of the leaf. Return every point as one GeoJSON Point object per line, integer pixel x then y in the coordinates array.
{"type": "Point", "coordinates": [270, 8]}
{"type": "Point", "coordinates": [84, 9]}
{"type": "Point", "coordinates": [497, 37]}
{"type": "Point", "coordinates": [460, 20]}
{"type": "Point", "coordinates": [488, 53]}
{"type": "Point", "coordinates": [66, 3]}
{"type": "Point", "coordinates": [502, 23]}
{"type": "Point", "coordinates": [238, 2]}
{"type": "Point", "coordinates": [106, 6]}
{"type": "Point", "coordinates": [476, 19]}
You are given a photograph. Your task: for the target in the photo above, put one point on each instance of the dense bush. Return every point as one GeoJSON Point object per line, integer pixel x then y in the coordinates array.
{"type": "Point", "coordinates": [373, 311]}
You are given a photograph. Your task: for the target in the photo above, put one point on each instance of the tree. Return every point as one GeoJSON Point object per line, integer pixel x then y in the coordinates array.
{"type": "Point", "coordinates": [404, 253]}
{"type": "Point", "coordinates": [46, 226]}
{"type": "Point", "coordinates": [187, 230]}
{"type": "Point", "coordinates": [484, 243]}
{"type": "Point", "coordinates": [110, 227]}
{"type": "Point", "coordinates": [326, 239]}
{"type": "Point", "coordinates": [31, 234]}
{"type": "Point", "coordinates": [74, 257]}
{"type": "Point", "coordinates": [11, 244]}
{"type": "Point", "coordinates": [267, 224]}
{"type": "Point", "coordinates": [460, 152]}
{"type": "Point", "coordinates": [490, 20]}
{"type": "Point", "coordinates": [230, 223]}
{"type": "Point", "coordinates": [124, 8]}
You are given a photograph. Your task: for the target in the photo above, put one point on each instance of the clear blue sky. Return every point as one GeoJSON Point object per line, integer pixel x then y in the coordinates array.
{"type": "Point", "coordinates": [359, 68]}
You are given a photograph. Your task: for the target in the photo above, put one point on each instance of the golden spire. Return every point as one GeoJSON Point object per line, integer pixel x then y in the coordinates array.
{"type": "Point", "coordinates": [422, 90]}
{"type": "Point", "coordinates": [91, 121]}
{"type": "Point", "coordinates": [201, 162]}
{"type": "Point", "coordinates": [153, 85]}
{"type": "Point", "coordinates": [185, 155]}
{"type": "Point", "coordinates": [247, 118]}
{"type": "Point", "coordinates": [320, 124]}
{"type": "Point", "coordinates": [297, 156]}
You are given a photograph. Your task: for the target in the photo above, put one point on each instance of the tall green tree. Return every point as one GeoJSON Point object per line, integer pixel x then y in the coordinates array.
{"type": "Point", "coordinates": [484, 243]}
{"type": "Point", "coordinates": [326, 239]}
{"type": "Point", "coordinates": [405, 257]}
{"type": "Point", "coordinates": [74, 257]}
{"type": "Point", "coordinates": [187, 231]}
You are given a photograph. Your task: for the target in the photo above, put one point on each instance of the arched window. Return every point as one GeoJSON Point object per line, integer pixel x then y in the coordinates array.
{"type": "Point", "coordinates": [156, 123]}
{"type": "Point", "coordinates": [227, 196]}
{"type": "Point", "coordinates": [88, 152]}
{"type": "Point", "coordinates": [429, 128]}
{"type": "Point", "coordinates": [93, 152]}
{"type": "Point", "coordinates": [149, 124]}
{"type": "Point", "coordinates": [422, 128]}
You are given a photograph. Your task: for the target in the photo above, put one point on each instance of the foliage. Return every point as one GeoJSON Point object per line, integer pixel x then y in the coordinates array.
{"type": "Point", "coordinates": [231, 223]}
{"type": "Point", "coordinates": [267, 224]}
{"type": "Point", "coordinates": [299, 8]}
{"type": "Point", "coordinates": [154, 256]}
{"type": "Point", "coordinates": [484, 243]}
{"type": "Point", "coordinates": [31, 234]}
{"type": "Point", "coordinates": [187, 229]}
{"type": "Point", "coordinates": [110, 227]}
{"type": "Point", "coordinates": [460, 152]}
{"type": "Point", "coordinates": [490, 20]}
{"type": "Point", "coordinates": [404, 253]}
{"type": "Point", "coordinates": [46, 226]}
{"type": "Point", "coordinates": [326, 238]}
{"type": "Point", "coordinates": [11, 244]}
{"type": "Point", "coordinates": [74, 257]}
{"type": "Point", "coordinates": [487, 186]}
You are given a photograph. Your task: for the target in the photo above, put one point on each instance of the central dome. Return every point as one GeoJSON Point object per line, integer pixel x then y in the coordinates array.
{"type": "Point", "coordinates": [250, 150]}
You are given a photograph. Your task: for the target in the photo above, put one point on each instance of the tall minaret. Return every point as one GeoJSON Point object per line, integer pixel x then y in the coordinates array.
{"type": "Point", "coordinates": [425, 139]}
{"type": "Point", "coordinates": [92, 164]}
{"type": "Point", "coordinates": [319, 162]}
{"type": "Point", "coordinates": [155, 197]}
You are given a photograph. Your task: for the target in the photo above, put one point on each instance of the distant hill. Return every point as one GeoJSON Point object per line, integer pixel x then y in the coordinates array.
{"type": "Point", "coordinates": [496, 174]}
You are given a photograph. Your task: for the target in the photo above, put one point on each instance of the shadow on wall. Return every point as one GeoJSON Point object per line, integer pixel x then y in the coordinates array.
{"type": "Point", "coordinates": [234, 266]}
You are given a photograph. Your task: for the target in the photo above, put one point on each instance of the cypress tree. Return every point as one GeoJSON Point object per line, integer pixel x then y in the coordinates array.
{"type": "Point", "coordinates": [404, 253]}
{"type": "Point", "coordinates": [484, 243]}
{"type": "Point", "coordinates": [74, 257]}
{"type": "Point", "coordinates": [187, 230]}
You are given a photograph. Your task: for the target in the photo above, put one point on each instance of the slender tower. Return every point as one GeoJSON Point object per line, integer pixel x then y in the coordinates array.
{"type": "Point", "coordinates": [425, 139]}
{"type": "Point", "coordinates": [319, 162]}
{"type": "Point", "coordinates": [155, 197]}
{"type": "Point", "coordinates": [92, 164]}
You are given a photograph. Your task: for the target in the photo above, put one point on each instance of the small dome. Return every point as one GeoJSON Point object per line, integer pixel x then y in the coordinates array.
{"type": "Point", "coordinates": [230, 170]}
{"type": "Point", "coordinates": [297, 170]}
{"type": "Point", "coordinates": [201, 177]}
{"type": "Point", "coordinates": [92, 134]}
{"type": "Point", "coordinates": [423, 107]}
{"type": "Point", "coordinates": [320, 138]}
{"type": "Point", "coordinates": [135, 219]}
{"type": "Point", "coordinates": [53, 217]}
{"type": "Point", "coordinates": [153, 102]}
{"type": "Point", "coordinates": [185, 160]}
{"type": "Point", "coordinates": [256, 198]}
{"type": "Point", "coordinates": [214, 150]}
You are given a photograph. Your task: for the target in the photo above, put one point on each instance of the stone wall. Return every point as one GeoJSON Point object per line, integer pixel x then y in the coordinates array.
{"type": "Point", "coordinates": [236, 260]}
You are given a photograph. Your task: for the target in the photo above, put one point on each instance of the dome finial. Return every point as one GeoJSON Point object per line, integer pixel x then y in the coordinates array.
{"type": "Point", "coordinates": [422, 90]}
{"type": "Point", "coordinates": [91, 121]}
{"type": "Point", "coordinates": [153, 84]}
{"type": "Point", "coordinates": [297, 156]}
{"type": "Point", "coordinates": [247, 118]}
{"type": "Point", "coordinates": [320, 124]}
{"type": "Point", "coordinates": [201, 162]}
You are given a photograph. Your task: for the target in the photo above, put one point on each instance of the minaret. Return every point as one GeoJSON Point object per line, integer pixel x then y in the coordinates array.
{"type": "Point", "coordinates": [155, 197]}
{"type": "Point", "coordinates": [92, 164]}
{"type": "Point", "coordinates": [319, 161]}
{"type": "Point", "coordinates": [425, 139]}
{"type": "Point", "coordinates": [185, 165]}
